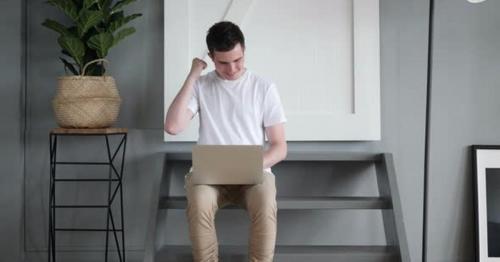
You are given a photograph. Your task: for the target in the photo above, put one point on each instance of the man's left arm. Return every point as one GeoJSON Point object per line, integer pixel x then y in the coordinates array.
{"type": "Point", "coordinates": [277, 145]}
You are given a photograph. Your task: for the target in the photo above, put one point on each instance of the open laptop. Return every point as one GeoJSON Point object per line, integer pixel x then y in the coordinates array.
{"type": "Point", "coordinates": [227, 164]}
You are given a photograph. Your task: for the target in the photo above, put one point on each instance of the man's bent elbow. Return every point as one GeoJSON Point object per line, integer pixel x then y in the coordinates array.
{"type": "Point", "coordinates": [171, 129]}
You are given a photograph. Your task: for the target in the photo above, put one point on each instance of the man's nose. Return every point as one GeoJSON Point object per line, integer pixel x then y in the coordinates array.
{"type": "Point", "coordinates": [232, 68]}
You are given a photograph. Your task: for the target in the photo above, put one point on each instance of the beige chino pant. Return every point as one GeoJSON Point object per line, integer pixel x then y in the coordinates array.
{"type": "Point", "coordinates": [260, 202]}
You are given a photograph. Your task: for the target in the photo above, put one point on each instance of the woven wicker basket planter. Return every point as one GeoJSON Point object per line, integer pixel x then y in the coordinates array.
{"type": "Point", "coordinates": [86, 102]}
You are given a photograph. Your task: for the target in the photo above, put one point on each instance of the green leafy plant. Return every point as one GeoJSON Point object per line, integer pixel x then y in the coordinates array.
{"type": "Point", "coordinates": [96, 26]}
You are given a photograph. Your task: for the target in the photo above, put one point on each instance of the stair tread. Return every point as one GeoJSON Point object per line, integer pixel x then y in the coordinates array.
{"type": "Point", "coordinates": [303, 155]}
{"type": "Point", "coordinates": [291, 249]}
{"type": "Point", "coordinates": [290, 203]}
{"type": "Point", "coordinates": [294, 253]}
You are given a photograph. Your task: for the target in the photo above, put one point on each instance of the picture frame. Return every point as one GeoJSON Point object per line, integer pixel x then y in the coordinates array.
{"type": "Point", "coordinates": [486, 169]}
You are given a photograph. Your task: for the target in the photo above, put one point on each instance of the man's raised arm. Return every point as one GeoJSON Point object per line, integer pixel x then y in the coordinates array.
{"type": "Point", "coordinates": [178, 114]}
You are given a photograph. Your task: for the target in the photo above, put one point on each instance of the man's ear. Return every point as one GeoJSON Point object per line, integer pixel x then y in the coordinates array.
{"type": "Point", "coordinates": [211, 56]}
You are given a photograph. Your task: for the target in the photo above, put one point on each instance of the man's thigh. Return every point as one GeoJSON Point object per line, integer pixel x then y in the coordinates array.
{"type": "Point", "coordinates": [261, 194]}
{"type": "Point", "coordinates": [200, 195]}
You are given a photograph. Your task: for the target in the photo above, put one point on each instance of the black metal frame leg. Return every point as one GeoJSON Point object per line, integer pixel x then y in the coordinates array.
{"type": "Point", "coordinates": [114, 189]}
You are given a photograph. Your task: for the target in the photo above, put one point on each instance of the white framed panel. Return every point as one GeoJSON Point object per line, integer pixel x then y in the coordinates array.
{"type": "Point", "coordinates": [322, 54]}
{"type": "Point", "coordinates": [487, 166]}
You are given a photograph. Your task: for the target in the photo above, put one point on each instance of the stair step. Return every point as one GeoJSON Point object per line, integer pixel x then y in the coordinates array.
{"type": "Point", "coordinates": [292, 203]}
{"type": "Point", "coordinates": [303, 156]}
{"type": "Point", "coordinates": [292, 253]}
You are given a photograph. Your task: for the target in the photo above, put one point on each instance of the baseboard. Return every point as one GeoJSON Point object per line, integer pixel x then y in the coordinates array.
{"type": "Point", "coordinates": [87, 248]}
{"type": "Point", "coordinates": [83, 256]}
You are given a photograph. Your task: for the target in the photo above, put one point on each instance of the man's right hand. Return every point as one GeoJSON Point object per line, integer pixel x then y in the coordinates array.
{"type": "Point", "coordinates": [197, 67]}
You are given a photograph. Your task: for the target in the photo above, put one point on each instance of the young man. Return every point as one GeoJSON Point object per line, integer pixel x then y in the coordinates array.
{"type": "Point", "coordinates": [235, 107]}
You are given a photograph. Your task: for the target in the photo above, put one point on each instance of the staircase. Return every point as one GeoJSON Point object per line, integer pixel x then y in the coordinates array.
{"type": "Point", "coordinates": [388, 202]}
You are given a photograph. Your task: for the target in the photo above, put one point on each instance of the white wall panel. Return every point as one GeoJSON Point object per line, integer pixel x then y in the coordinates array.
{"type": "Point", "coordinates": [322, 54]}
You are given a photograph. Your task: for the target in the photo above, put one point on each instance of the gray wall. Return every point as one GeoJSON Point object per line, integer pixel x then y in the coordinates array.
{"type": "Point", "coordinates": [464, 112]}
{"type": "Point", "coordinates": [11, 135]}
{"type": "Point", "coordinates": [137, 66]}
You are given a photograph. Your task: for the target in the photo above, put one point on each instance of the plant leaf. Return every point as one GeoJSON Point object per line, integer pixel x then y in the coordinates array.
{"type": "Point", "coordinates": [122, 34]}
{"type": "Point", "coordinates": [88, 3]}
{"type": "Point", "coordinates": [106, 4]}
{"type": "Point", "coordinates": [56, 26]}
{"type": "Point", "coordinates": [121, 4]}
{"type": "Point", "coordinates": [73, 46]}
{"type": "Point", "coordinates": [73, 30]}
{"type": "Point", "coordinates": [68, 7]}
{"type": "Point", "coordinates": [65, 52]}
{"type": "Point", "coordinates": [101, 43]}
{"type": "Point", "coordinates": [116, 16]}
{"type": "Point", "coordinates": [68, 65]}
{"type": "Point", "coordinates": [119, 22]}
{"type": "Point", "coordinates": [114, 19]}
{"type": "Point", "coordinates": [87, 20]}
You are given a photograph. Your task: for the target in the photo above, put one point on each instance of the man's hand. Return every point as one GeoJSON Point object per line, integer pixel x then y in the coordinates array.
{"type": "Point", "coordinates": [197, 67]}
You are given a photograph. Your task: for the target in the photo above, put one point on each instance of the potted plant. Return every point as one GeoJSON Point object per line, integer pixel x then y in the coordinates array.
{"type": "Point", "coordinates": [89, 98]}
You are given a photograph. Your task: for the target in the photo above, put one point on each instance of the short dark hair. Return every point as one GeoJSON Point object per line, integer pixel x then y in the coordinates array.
{"type": "Point", "coordinates": [224, 36]}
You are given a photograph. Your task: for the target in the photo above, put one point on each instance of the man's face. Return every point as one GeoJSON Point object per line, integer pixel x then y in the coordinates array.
{"type": "Point", "coordinates": [230, 64]}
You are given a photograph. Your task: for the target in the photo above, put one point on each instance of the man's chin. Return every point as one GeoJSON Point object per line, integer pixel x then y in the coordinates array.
{"type": "Point", "coordinates": [232, 77]}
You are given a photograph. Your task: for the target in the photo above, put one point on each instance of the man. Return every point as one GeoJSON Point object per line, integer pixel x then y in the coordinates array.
{"type": "Point", "coordinates": [235, 107]}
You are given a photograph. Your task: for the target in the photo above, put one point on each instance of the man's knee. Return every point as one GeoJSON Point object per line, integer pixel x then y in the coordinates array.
{"type": "Point", "coordinates": [263, 207]}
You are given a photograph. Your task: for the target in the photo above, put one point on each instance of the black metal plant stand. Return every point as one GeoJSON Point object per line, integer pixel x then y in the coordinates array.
{"type": "Point", "coordinates": [114, 181]}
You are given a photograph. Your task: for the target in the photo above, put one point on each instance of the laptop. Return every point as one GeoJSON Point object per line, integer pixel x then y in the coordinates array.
{"type": "Point", "coordinates": [227, 164]}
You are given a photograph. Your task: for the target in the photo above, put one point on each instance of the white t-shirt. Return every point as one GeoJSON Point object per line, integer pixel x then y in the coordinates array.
{"type": "Point", "coordinates": [235, 112]}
